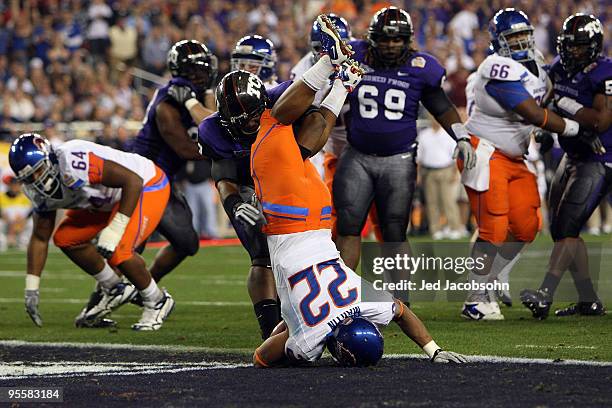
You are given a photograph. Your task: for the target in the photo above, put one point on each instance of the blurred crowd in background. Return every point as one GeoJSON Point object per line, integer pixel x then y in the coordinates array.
{"type": "Point", "coordinates": [97, 62]}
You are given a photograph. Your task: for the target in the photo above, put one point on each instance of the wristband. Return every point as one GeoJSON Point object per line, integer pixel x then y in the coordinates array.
{"type": "Point", "coordinates": [569, 105]}
{"type": "Point", "coordinates": [431, 348]}
{"type": "Point", "coordinates": [545, 121]}
{"type": "Point", "coordinates": [571, 128]}
{"type": "Point", "coordinates": [459, 131]}
{"type": "Point", "coordinates": [32, 282]}
{"type": "Point", "coordinates": [334, 101]}
{"type": "Point", "coordinates": [190, 103]}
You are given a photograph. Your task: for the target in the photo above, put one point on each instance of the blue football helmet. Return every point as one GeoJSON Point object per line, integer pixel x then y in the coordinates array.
{"type": "Point", "coordinates": [257, 55]}
{"type": "Point", "coordinates": [35, 165]}
{"type": "Point", "coordinates": [356, 341]}
{"type": "Point", "coordinates": [315, 34]}
{"type": "Point", "coordinates": [506, 24]}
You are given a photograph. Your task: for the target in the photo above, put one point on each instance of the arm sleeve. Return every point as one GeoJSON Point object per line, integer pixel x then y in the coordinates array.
{"type": "Point", "coordinates": [508, 94]}
{"type": "Point", "coordinates": [436, 101]}
{"type": "Point", "coordinates": [225, 169]}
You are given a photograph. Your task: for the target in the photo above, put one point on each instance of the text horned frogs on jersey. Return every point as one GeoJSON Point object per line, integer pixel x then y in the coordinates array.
{"type": "Point", "coordinates": [488, 118]}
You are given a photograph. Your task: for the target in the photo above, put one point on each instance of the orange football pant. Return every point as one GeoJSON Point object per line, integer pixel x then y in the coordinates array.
{"type": "Point", "coordinates": [82, 225]}
{"type": "Point", "coordinates": [512, 202]}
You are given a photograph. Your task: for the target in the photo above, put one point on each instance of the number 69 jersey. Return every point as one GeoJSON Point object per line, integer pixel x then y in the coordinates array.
{"type": "Point", "coordinates": [80, 170]}
{"type": "Point", "coordinates": [385, 104]}
{"type": "Point", "coordinates": [317, 291]}
{"type": "Point", "coordinates": [491, 117]}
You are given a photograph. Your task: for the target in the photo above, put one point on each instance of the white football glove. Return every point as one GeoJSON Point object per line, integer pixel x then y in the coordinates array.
{"type": "Point", "coordinates": [31, 306]}
{"type": "Point", "coordinates": [247, 213]}
{"type": "Point", "coordinates": [441, 356]}
{"type": "Point", "coordinates": [350, 74]}
{"type": "Point", "coordinates": [465, 150]}
{"type": "Point", "coordinates": [111, 235]}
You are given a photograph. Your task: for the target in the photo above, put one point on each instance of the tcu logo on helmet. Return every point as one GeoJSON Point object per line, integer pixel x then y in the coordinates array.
{"type": "Point", "coordinates": [173, 56]}
{"type": "Point", "coordinates": [593, 27]}
{"type": "Point", "coordinates": [254, 86]}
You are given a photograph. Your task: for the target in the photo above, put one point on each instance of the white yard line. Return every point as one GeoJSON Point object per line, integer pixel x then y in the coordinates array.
{"type": "Point", "coordinates": [21, 370]}
{"type": "Point", "coordinates": [511, 360]}
{"type": "Point", "coordinates": [474, 359]}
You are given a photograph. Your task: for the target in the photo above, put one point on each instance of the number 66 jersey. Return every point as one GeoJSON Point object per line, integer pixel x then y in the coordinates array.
{"type": "Point", "coordinates": [491, 115]}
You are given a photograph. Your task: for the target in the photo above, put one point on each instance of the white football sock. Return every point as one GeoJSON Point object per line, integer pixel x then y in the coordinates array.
{"type": "Point", "coordinates": [501, 267]}
{"type": "Point", "coordinates": [107, 278]}
{"type": "Point", "coordinates": [151, 294]}
{"type": "Point", "coordinates": [477, 295]}
{"type": "Point", "coordinates": [318, 75]}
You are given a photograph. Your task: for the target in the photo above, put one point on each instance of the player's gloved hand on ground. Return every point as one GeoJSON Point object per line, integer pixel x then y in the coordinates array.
{"type": "Point", "coordinates": [111, 235]}
{"type": "Point", "coordinates": [350, 74]}
{"type": "Point", "coordinates": [465, 150]}
{"type": "Point", "coordinates": [331, 42]}
{"type": "Point", "coordinates": [591, 139]}
{"type": "Point", "coordinates": [247, 213]}
{"type": "Point", "coordinates": [545, 139]}
{"type": "Point", "coordinates": [31, 306]}
{"type": "Point", "coordinates": [441, 356]}
{"type": "Point", "coordinates": [181, 93]}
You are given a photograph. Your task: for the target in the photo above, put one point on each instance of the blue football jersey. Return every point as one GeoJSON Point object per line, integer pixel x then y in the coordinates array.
{"type": "Point", "coordinates": [582, 87]}
{"type": "Point", "coordinates": [384, 106]}
{"type": "Point", "coordinates": [149, 142]}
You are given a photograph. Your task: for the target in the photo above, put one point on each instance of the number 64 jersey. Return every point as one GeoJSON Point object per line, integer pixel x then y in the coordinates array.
{"type": "Point", "coordinates": [491, 118]}
{"type": "Point", "coordinates": [80, 169]}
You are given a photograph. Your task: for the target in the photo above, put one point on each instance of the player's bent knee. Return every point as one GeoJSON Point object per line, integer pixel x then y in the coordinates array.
{"type": "Point", "coordinates": [63, 240]}
{"type": "Point", "coordinates": [187, 247]}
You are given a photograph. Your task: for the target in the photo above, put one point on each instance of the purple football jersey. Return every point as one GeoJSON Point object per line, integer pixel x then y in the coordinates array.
{"type": "Point", "coordinates": [582, 87]}
{"type": "Point", "coordinates": [149, 142]}
{"type": "Point", "coordinates": [384, 106]}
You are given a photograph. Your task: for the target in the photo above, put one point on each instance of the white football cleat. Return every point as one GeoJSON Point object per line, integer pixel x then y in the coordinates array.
{"type": "Point", "coordinates": [93, 314]}
{"type": "Point", "coordinates": [481, 311]}
{"type": "Point", "coordinates": [331, 42]}
{"type": "Point", "coordinates": [153, 317]}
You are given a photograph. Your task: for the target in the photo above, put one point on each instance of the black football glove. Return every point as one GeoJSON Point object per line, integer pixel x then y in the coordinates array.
{"type": "Point", "coordinates": [181, 93]}
{"type": "Point", "coordinates": [591, 139]}
{"type": "Point", "coordinates": [545, 139]}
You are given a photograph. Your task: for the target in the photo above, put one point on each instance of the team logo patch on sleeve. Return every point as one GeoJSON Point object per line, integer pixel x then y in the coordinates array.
{"type": "Point", "coordinates": [418, 62]}
{"type": "Point", "coordinates": [71, 181]}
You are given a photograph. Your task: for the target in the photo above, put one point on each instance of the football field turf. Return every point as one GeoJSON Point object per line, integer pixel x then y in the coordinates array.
{"type": "Point", "coordinates": [202, 354]}
{"type": "Point", "coordinates": [213, 311]}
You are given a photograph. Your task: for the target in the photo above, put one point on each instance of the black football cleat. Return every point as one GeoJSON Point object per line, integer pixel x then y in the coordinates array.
{"type": "Point", "coordinates": [538, 301]}
{"type": "Point", "coordinates": [582, 309]}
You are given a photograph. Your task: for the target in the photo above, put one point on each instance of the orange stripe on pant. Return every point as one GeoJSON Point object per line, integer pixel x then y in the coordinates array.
{"type": "Point", "coordinates": [330, 164]}
{"type": "Point", "coordinates": [511, 203]}
{"type": "Point", "coordinates": [80, 226]}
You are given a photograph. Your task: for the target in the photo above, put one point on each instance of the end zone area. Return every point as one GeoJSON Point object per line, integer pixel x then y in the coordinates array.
{"type": "Point", "coordinates": [113, 375]}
